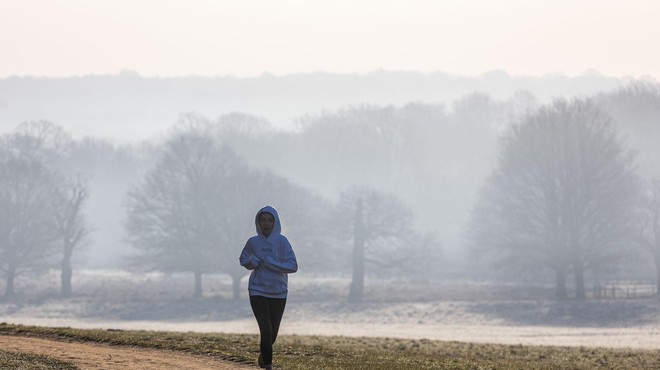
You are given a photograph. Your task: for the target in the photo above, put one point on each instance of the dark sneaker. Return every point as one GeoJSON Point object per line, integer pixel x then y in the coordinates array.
{"type": "Point", "coordinates": [261, 362]}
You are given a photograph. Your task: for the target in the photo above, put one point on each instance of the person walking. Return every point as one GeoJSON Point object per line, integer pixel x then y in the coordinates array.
{"type": "Point", "coordinates": [271, 258]}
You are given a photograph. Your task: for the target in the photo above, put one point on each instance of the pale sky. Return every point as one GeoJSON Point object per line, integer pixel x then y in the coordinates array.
{"type": "Point", "coordinates": [246, 38]}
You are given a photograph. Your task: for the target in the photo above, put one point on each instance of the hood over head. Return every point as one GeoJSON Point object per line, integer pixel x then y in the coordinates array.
{"type": "Point", "coordinates": [277, 228]}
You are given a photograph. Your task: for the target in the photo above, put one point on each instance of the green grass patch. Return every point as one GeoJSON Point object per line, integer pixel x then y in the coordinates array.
{"type": "Point", "coordinates": [320, 352]}
{"type": "Point", "coordinates": [28, 361]}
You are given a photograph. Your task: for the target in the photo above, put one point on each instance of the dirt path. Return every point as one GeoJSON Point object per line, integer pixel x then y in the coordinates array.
{"type": "Point", "coordinates": [97, 356]}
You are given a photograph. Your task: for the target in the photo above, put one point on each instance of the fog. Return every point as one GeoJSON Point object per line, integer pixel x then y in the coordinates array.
{"type": "Point", "coordinates": [507, 201]}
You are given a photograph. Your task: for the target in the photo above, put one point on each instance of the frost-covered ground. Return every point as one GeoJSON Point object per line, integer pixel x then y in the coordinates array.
{"type": "Point", "coordinates": [461, 311]}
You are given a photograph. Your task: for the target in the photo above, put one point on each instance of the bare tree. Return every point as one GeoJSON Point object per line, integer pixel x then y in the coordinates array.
{"type": "Point", "coordinates": [27, 229]}
{"type": "Point", "coordinates": [32, 166]}
{"type": "Point", "coordinates": [175, 216]}
{"type": "Point", "coordinates": [379, 226]}
{"type": "Point", "coordinates": [46, 146]}
{"type": "Point", "coordinates": [649, 226]}
{"type": "Point", "coordinates": [28, 167]}
{"type": "Point", "coordinates": [67, 204]}
{"type": "Point", "coordinates": [251, 188]}
{"type": "Point", "coordinates": [562, 196]}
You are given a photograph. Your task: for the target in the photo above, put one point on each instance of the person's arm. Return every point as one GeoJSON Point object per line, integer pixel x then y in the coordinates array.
{"type": "Point", "coordinates": [247, 259]}
{"type": "Point", "coordinates": [288, 264]}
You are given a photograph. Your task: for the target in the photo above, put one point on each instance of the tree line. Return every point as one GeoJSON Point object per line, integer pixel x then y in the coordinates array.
{"type": "Point", "coordinates": [191, 212]}
{"type": "Point", "coordinates": [367, 188]}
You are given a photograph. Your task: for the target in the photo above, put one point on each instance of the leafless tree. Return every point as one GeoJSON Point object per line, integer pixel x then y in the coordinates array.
{"type": "Point", "coordinates": [380, 229]}
{"type": "Point", "coordinates": [67, 201]}
{"type": "Point", "coordinates": [562, 196]}
{"type": "Point", "coordinates": [27, 230]}
{"type": "Point", "coordinates": [29, 158]}
{"type": "Point", "coordinates": [176, 216]}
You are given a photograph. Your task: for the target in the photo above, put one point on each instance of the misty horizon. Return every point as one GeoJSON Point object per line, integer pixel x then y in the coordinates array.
{"type": "Point", "coordinates": [129, 107]}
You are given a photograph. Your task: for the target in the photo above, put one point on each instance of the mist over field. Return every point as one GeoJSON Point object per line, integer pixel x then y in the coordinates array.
{"type": "Point", "coordinates": [419, 205]}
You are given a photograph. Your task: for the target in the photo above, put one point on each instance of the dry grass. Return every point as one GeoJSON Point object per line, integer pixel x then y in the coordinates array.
{"type": "Point", "coordinates": [28, 361]}
{"type": "Point", "coordinates": [317, 352]}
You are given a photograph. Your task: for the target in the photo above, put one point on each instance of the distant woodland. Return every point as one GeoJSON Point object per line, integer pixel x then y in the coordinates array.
{"type": "Point", "coordinates": [397, 164]}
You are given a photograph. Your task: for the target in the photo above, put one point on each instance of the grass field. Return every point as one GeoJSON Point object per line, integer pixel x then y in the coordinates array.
{"type": "Point", "coordinates": [27, 361]}
{"type": "Point", "coordinates": [317, 352]}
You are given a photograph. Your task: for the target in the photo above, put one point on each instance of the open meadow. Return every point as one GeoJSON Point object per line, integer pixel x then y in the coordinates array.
{"type": "Point", "coordinates": [459, 324]}
{"type": "Point", "coordinates": [234, 351]}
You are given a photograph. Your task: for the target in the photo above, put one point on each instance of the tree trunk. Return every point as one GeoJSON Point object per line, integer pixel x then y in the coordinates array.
{"type": "Point", "coordinates": [198, 285]}
{"type": "Point", "coordinates": [577, 259]}
{"type": "Point", "coordinates": [561, 284]}
{"type": "Point", "coordinates": [357, 284]}
{"type": "Point", "coordinates": [9, 277]}
{"type": "Point", "coordinates": [656, 254]}
{"type": "Point", "coordinates": [580, 292]}
{"type": "Point", "coordinates": [66, 290]}
{"type": "Point", "coordinates": [67, 273]}
{"type": "Point", "coordinates": [656, 258]}
{"type": "Point", "coordinates": [236, 280]}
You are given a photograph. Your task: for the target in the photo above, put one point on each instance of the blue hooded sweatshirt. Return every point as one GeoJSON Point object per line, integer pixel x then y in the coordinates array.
{"type": "Point", "coordinates": [270, 258]}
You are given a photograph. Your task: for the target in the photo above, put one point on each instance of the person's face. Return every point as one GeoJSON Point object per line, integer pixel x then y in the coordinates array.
{"type": "Point", "coordinates": [266, 222]}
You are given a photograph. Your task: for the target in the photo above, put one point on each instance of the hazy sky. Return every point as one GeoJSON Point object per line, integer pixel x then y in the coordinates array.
{"type": "Point", "coordinates": [250, 37]}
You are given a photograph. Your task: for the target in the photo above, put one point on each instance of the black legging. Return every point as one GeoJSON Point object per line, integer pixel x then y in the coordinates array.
{"type": "Point", "coordinates": [268, 312]}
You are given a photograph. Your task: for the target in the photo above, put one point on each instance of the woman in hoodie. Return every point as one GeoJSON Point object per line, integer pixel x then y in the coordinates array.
{"type": "Point", "coordinates": [271, 258]}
